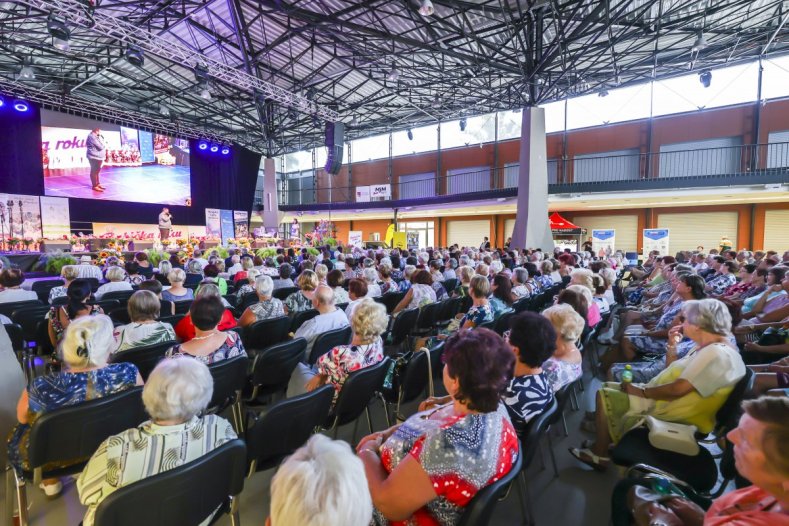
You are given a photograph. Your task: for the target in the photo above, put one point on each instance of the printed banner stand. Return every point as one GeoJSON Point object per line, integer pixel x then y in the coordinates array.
{"type": "Point", "coordinates": [226, 222]}
{"type": "Point", "coordinates": [213, 225]}
{"type": "Point", "coordinates": [241, 223]}
{"type": "Point", "coordinates": [55, 217]}
{"type": "Point", "coordinates": [603, 242]}
{"type": "Point", "coordinates": [400, 240]}
{"type": "Point", "coordinates": [655, 239]}
{"type": "Point", "coordinates": [362, 194]}
{"type": "Point", "coordinates": [355, 238]}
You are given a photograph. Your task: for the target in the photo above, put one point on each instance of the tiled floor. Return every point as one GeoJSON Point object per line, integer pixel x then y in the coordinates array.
{"type": "Point", "coordinates": [141, 184]}
{"type": "Point", "coordinates": [579, 496]}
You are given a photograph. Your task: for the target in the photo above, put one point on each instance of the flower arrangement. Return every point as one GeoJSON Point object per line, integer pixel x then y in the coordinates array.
{"type": "Point", "coordinates": [268, 252]}
{"type": "Point", "coordinates": [57, 260]}
{"type": "Point", "coordinates": [156, 256]}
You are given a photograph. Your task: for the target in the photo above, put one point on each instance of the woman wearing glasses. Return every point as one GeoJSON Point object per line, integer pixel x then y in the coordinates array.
{"type": "Point", "coordinates": [689, 391]}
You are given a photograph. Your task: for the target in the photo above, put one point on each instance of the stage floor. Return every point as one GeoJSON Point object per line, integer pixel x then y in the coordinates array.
{"type": "Point", "coordinates": [167, 185]}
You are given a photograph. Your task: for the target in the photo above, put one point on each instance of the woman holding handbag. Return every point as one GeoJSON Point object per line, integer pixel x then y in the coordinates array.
{"type": "Point", "coordinates": [689, 391]}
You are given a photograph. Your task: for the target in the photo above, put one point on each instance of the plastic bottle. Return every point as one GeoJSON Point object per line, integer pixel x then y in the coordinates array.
{"type": "Point", "coordinates": [627, 374]}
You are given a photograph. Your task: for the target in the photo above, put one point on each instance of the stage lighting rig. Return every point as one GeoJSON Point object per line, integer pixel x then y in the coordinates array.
{"type": "Point", "coordinates": [214, 148]}
{"type": "Point", "coordinates": [225, 150]}
{"type": "Point", "coordinates": [135, 56]}
{"type": "Point", "coordinates": [2, 102]}
{"type": "Point", "coordinates": [202, 145]}
{"type": "Point", "coordinates": [705, 77]}
{"type": "Point", "coordinates": [21, 106]}
{"type": "Point", "coordinates": [463, 123]}
{"type": "Point", "coordinates": [61, 34]}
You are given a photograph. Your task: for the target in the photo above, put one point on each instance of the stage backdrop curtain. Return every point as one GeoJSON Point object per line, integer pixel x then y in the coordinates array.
{"type": "Point", "coordinates": [225, 182]}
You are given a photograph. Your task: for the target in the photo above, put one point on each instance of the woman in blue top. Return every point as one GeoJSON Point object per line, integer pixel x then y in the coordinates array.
{"type": "Point", "coordinates": [86, 375]}
{"type": "Point", "coordinates": [501, 296]}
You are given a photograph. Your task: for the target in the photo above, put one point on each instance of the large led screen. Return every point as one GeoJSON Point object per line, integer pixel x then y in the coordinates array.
{"type": "Point", "coordinates": [94, 160]}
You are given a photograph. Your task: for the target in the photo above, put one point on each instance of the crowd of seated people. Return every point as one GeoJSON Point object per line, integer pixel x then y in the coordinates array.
{"type": "Point", "coordinates": [683, 330]}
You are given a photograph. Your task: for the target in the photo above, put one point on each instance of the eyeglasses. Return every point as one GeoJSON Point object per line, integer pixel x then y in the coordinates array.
{"type": "Point", "coordinates": [682, 318]}
{"type": "Point", "coordinates": [506, 334]}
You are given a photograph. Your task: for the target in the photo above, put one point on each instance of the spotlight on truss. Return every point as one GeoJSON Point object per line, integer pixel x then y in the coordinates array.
{"type": "Point", "coordinates": [602, 93]}
{"type": "Point", "coordinates": [393, 74]}
{"type": "Point", "coordinates": [705, 77]}
{"type": "Point", "coordinates": [201, 73]}
{"type": "Point", "coordinates": [463, 124]}
{"type": "Point", "coordinates": [410, 135]}
{"type": "Point", "coordinates": [27, 72]}
{"type": "Point", "coordinates": [426, 8]}
{"type": "Point", "coordinates": [205, 93]}
{"type": "Point", "coordinates": [700, 42]}
{"type": "Point", "coordinates": [135, 56]}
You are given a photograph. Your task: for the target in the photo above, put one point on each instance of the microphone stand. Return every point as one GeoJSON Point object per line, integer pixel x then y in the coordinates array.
{"type": "Point", "coordinates": [22, 221]}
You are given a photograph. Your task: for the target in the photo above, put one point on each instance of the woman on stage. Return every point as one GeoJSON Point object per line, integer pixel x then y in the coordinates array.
{"type": "Point", "coordinates": [96, 151]}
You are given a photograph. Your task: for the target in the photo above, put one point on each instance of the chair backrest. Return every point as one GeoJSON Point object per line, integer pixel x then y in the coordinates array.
{"type": "Point", "coordinates": [521, 304]}
{"type": "Point", "coordinates": [328, 341]}
{"type": "Point", "coordinates": [14, 331]}
{"type": "Point", "coordinates": [390, 300]}
{"type": "Point", "coordinates": [145, 358]}
{"type": "Point", "coordinates": [272, 367]}
{"type": "Point", "coordinates": [503, 323]}
{"type": "Point", "coordinates": [358, 390]}
{"type": "Point", "coordinates": [264, 333]}
{"type": "Point", "coordinates": [106, 304]}
{"type": "Point", "coordinates": [479, 510]}
{"type": "Point", "coordinates": [121, 295]}
{"type": "Point", "coordinates": [730, 412]}
{"type": "Point", "coordinates": [404, 323]}
{"type": "Point", "coordinates": [531, 435]}
{"type": "Point", "coordinates": [284, 292]}
{"type": "Point", "coordinates": [449, 309]}
{"type": "Point", "coordinates": [450, 285]}
{"type": "Point", "coordinates": [43, 344]}
{"type": "Point", "coordinates": [286, 426]}
{"type": "Point", "coordinates": [8, 308]}
{"type": "Point", "coordinates": [187, 494]}
{"type": "Point", "coordinates": [248, 299]}
{"type": "Point", "coordinates": [43, 287]}
{"type": "Point", "coordinates": [75, 432]}
{"type": "Point", "coordinates": [59, 301]}
{"type": "Point", "coordinates": [28, 318]}
{"type": "Point", "coordinates": [120, 314]}
{"type": "Point", "coordinates": [94, 283]}
{"type": "Point", "coordinates": [172, 320]}
{"type": "Point", "coordinates": [229, 379]}
{"type": "Point", "coordinates": [415, 377]}
{"type": "Point", "coordinates": [428, 315]}
{"type": "Point", "coordinates": [182, 307]}
{"type": "Point", "coordinates": [561, 396]}
{"type": "Point", "coordinates": [490, 325]}
{"type": "Point", "coordinates": [300, 317]}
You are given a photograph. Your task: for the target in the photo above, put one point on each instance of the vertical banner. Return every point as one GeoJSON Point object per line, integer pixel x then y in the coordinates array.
{"type": "Point", "coordinates": [241, 223]}
{"type": "Point", "coordinates": [399, 240]}
{"type": "Point", "coordinates": [213, 226]}
{"type": "Point", "coordinates": [226, 225]}
{"type": "Point", "coordinates": [656, 239]}
{"type": "Point", "coordinates": [355, 238]}
{"type": "Point", "coordinates": [55, 217]}
{"type": "Point", "coordinates": [603, 242]}
{"type": "Point", "coordinates": [20, 216]}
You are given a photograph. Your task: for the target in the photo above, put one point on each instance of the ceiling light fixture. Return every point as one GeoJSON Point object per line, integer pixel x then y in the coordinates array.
{"type": "Point", "coordinates": [393, 75]}
{"type": "Point", "coordinates": [426, 8]}
{"type": "Point", "coordinates": [705, 77]}
{"type": "Point", "coordinates": [60, 33]}
{"type": "Point", "coordinates": [602, 93]}
{"type": "Point", "coordinates": [410, 134]}
{"type": "Point", "coordinates": [700, 43]}
{"type": "Point", "coordinates": [205, 93]}
{"type": "Point", "coordinates": [463, 123]}
{"type": "Point", "coordinates": [135, 56]}
{"type": "Point", "coordinates": [27, 72]}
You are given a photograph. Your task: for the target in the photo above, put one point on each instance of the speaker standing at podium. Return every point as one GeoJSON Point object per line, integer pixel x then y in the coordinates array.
{"type": "Point", "coordinates": [165, 223]}
{"type": "Point", "coordinates": [95, 151]}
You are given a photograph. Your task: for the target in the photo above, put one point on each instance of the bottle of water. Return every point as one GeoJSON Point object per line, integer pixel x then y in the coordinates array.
{"type": "Point", "coordinates": [627, 374]}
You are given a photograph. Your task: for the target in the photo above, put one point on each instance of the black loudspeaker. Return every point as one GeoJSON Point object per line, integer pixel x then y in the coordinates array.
{"type": "Point", "coordinates": [335, 137]}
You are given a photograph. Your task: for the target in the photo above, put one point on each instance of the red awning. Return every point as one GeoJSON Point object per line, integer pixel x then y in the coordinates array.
{"type": "Point", "coordinates": [560, 223]}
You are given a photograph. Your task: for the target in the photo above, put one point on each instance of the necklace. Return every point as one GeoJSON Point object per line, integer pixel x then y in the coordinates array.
{"type": "Point", "coordinates": [205, 337]}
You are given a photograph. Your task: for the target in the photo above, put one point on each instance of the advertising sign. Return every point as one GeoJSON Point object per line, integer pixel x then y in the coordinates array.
{"type": "Point", "coordinates": [226, 225]}
{"type": "Point", "coordinates": [656, 239]}
{"type": "Point", "coordinates": [362, 194]}
{"type": "Point", "coordinates": [355, 238]}
{"type": "Point", "coordinates": [213, 226]}
{"type": "Point", "coordinates": [603, 242]}
{"type": "Point", "coordinates": [55, 218]}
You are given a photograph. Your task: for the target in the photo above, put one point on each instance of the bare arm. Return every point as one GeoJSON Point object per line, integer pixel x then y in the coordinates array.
{"type": "Point", "coordinates": [668, 392]}
{"type": "Point", "coordinates": [248, 318]}
{"type": "Point", "coordinates": [22, 407]}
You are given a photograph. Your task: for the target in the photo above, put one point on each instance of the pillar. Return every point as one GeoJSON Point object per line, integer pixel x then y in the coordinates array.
{"type": "Point", "coordinates": [271, 219]}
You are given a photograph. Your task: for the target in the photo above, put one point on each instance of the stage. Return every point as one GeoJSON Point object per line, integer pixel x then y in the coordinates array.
{"type": "Point", "coordinates": [156, 184]}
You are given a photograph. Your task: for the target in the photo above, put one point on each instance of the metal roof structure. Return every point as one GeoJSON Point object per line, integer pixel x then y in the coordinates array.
{"type": "Point", "coordinates": [276, 69]}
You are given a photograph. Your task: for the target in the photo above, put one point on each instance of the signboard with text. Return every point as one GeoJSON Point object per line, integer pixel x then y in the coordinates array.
{"type": "Point", "coordinates": [656, 239]}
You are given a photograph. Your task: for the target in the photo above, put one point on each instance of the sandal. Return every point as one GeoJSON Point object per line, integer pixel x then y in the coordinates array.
{"type": "Point", "coordinates": [586, 456]}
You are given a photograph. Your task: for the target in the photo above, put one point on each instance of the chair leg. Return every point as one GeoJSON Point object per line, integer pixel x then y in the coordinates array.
{"type": "Point", "coordinates": [369, 420]}
{"type": "Point", "coordinates": [527, 509]}
{"type": "Point", "coordinates": [336, 430]}
{"type": "Point", "coordinates": [553, 455]}
{"type": "Point", "coordinates": [564, 425]}
{"type": "Point", "coordinates": [21, 499]}
{"type": "Point", "coordinates": [540, 454]}
{"type": "Point", "coordinates": [10, 488]}
{"type": "Point", "coordinates": [573, 398]}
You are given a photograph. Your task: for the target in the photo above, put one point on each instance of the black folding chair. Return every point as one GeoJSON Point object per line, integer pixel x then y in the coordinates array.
{"type": "Point", "coordinates": [285, 427]}
{"type": "Point", "coordinates": [450, 285]}
{"type": "Point", "coordinates": [187, 494]}
{"type": "Point", "coordinates": [229, 379]}
{"type": "Point", "coordinates": [272, 368]}
{"type": "Point", "coordinates": [531, 438]}
{"type": "Point", "coordinates": [120, 314]}
{"type": "Point", "coordinates": [182, 307]}
{"type": "Point", "coordinates": [355, 396]}
{"type": "Point", "coordinates": [144, 358]}
{"type": "Point", "coordinates": [503, 322]}
{"type": "Point", "coordinates": [521, 305]}
{"type": "Point", "coordinates": [390, 300]}
{"type": "Point", "coordinates": [69, 436]}
{"type": "Point", "coordinates": [106, 304]}
{"type": "Point", "coordinates": [328, 341]}
{"type": "Point", "coordinates": [300, 317]}
{"type": "Point", "coordinates": [28, 318]}
{"type": "Point", "coordinates": [284, 292]}
{"type": "Point", "coordinates": [264, 333]}
{"type": "Point", "coordinates": [43, 287]}
{"type": "Point", "coordinates": [247, 300]}
{"type": "Point", "coordinates": [121, 295]}
{"type": "Point", "coordinates": [426, 322]}
{"type": "Point", "coordinates": [402, 326]}
{"type": "Point", "coordinates": [8, 309]}
{"type": "Point", "coordinates": [448, 310]}
{"type": "Point", "coordinates": [480, 509]}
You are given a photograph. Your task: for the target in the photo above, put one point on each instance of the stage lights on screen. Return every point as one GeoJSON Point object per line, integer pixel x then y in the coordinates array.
{"type": "Point", "coordinates": [206, 146]}
{"type": "Point", "coordinates": [21, 106]}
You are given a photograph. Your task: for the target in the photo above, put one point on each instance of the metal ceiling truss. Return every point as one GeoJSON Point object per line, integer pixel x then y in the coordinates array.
{"type": "Point", "coordinates": [334, 59]}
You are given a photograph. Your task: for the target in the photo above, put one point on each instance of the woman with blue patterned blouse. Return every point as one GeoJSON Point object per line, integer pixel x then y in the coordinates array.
{"type": "Point", "coordinates": [86, 346]}
{"type": "Point", "coordinates": [533, 340]}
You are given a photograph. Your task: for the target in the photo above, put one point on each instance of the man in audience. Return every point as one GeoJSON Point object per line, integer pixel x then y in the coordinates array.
{"type": "Point", "coordinates": [321, 484]}
{"type": "Point", "coordinates": [328, 319]}
{"type": "Point", "coordinates": [87, 269]}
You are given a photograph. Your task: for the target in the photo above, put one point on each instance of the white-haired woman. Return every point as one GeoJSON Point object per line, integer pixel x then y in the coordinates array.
{"type": "Point", "coordinates": [86, 375]}
{"type": "Point", "coordinates": [177, 292]}
{"type": "Point", "coordinates": [322, 482]}
{"type": "Point", "coordinates": [247, 287]}
{"type": "Point", "coordinates": [69, 273]}
{"type": "Point", "coordinates": [566, 364]}
{"type": "Point", "coordinates": [267, 307]}
{"type": "Point", "coordinates": [368, 322]}
{"type": "Point", "coordinates": [145, 327]}
{"type": "Point", "coordinates": [689, 391]}
{"type": "Point", "coordinates": [177, 391]}
{"type": "Point", "coordinates": [116, 281]}
{"type": "Point", "coordinates": [161, 272]}
{"type": "Point", "coordinates": [370, 276]}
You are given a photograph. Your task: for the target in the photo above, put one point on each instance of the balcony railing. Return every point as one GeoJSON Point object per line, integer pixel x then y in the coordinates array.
{"type": "Point", "coordinates": [746, 164]}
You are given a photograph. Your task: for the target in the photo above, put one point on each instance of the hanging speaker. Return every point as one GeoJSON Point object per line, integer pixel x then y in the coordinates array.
{"type": "Point", "coordinates": [335, 136]}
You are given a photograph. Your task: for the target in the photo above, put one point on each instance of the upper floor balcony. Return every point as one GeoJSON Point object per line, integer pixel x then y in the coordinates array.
{"type": "Point", "coordinates": [753, 164]}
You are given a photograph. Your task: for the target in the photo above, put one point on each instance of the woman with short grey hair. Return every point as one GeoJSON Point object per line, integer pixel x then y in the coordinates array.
{"type": "Point", "coordinates": [115, 282]}
{"type": "Point", "coordinates": [144, 328]}
{"type": "Point", "coordinates": [177, 292]}
{"type": "Point", "coordinates": [689, 391]}
{"type": "Point", "coordinates": [176, 392]}
{"type": "Point", "coordinates": [69, 273]}
{"type": "Point", "coordinates": [370, 275]}
{"type": "Point", "coordinates": [267, 307]}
